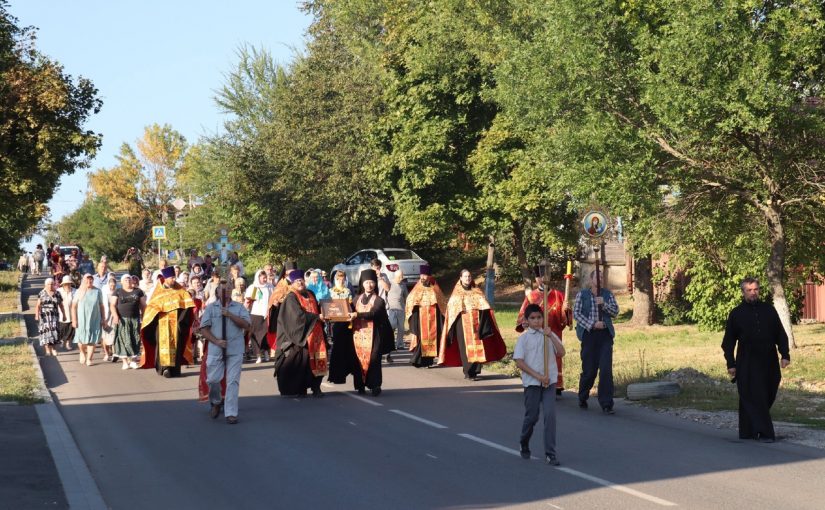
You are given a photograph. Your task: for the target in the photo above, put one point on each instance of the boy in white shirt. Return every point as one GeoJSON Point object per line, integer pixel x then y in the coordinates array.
{"type": "Point", "coordinates": [539, 387]}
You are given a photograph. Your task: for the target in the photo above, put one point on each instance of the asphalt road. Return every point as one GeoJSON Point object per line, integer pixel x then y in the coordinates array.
{"type": "Point", "coordinates": [431, 440]}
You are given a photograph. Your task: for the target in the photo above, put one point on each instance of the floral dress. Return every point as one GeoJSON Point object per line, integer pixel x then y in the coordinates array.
{"type": "Point", "coordinates": [49, 317]}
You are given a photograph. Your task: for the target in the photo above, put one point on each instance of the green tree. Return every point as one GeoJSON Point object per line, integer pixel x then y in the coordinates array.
{"type": "Point", "coordinates": [42, 114]}
{"type": "Point", "coordinates": [91, 226]}
{"type": "Point", "coordinates": [687, 108]}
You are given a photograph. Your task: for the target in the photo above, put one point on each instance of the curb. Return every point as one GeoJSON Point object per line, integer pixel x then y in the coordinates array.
{"type": "Point", "coordinates": [79, 486]}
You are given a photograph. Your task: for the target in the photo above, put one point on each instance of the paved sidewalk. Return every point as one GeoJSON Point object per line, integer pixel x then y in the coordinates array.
{"type": "Point", "coordinates": [42, 466]}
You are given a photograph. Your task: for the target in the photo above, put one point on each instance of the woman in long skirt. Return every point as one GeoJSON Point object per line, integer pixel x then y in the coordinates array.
{"type": "Point", "coordinates": [87, 318]}
{"type": "Point", "coordinates": [47, 313]}
{"type": "Point", "coordinates": [127, 306]}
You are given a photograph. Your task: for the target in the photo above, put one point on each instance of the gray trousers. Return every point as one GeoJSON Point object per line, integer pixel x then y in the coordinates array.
{"type": "Point", "coordinates": [535, 396]}
{"type": "Point", "coordinates": [397, 323]}
{"type": "Point", "coordinates": [214, 374]}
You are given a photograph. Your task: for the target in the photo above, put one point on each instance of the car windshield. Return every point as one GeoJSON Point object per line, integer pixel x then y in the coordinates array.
{"type": "Point", "coordinates": [398, 254]}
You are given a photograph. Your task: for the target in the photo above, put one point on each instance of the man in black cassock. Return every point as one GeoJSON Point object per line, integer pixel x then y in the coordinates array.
{"type": "Point", "coordinates": [755, 368]}
{"type": "Point", "coordinates": [371, 332]}
{"type": "Point", "coordinates": [301, 354]}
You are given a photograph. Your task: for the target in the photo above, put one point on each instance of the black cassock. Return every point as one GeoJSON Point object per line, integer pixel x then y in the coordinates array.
{"type": "Point", "coordinates": [759, 333]}
{"type": "Point", "coordinates": [382, 343]}
{"type": "Point", "coordinates": [342, 360]}
{"type": "Point", "coordinates": [456, 334]}
{"type": "Point", "coordinates": [292, 369]}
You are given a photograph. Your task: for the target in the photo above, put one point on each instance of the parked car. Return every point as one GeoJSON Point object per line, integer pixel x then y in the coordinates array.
{"type": "Point", "coordinates": [392, 259]}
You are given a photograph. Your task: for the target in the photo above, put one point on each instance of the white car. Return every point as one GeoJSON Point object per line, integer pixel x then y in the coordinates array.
{"type": "Point", "coordinates": [392, 259]}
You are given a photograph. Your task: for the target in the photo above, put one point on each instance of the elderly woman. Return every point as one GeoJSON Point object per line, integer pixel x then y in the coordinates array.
{"type": "Point", "coordinates": [127, 305]}
{"type": "Point", "coordinates": [47, 313]}
{"type": "Point", "coordinates": [66, 330]}
{"type": "Point", "coordinates": [108, 334]}
{"type": "Point", "coordinates": [316, 284]}
{"type": "Point", "coordinates": [87, 318]}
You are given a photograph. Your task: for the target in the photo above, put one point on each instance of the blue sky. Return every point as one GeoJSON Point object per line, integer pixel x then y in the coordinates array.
{"type": "Point", "coordinates": [154, 62]}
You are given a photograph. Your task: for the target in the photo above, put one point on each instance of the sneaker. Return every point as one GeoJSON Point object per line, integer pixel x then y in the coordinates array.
{"type": "Point", "coordinates": [608, 410]}
{"type": "Point", "coordinates": [257, 361]}
{"type": "Point", "coordinates": [551, 460]}
{"type": "Point", "coordinates": [232, 420]}
{"type": "Point", "coordinates": [133, 365]}
{"type": "Point", "coordinates": [524, 451]}
{"type": "Point", "coordinates": [266, 358]}
{"type": "Point", "coordinates": [583, 404]}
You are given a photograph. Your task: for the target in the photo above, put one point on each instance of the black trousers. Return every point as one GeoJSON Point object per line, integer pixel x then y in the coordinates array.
{"type": "Point", "coordinates": [597, 358]}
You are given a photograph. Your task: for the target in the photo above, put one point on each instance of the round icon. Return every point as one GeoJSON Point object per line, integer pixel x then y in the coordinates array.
{"type": "Point", "coordinates": [594, 223]}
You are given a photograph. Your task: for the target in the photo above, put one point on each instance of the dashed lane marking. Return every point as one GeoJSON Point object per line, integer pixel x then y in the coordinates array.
{"type": "Point", "coordinates": [418, 419]}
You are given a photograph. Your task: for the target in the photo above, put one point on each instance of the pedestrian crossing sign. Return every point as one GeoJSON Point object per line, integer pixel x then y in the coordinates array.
{"type": "Point", "coordinates": [158, 232]}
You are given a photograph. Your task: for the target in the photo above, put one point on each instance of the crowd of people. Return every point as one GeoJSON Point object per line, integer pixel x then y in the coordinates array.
{"type": "Point", "coordinates": [311, 327]}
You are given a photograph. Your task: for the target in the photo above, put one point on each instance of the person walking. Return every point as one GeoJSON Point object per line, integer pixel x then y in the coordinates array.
{"type": "Point", "coordinates": [127, 305]}
{"type": "Point", "coordinates": [257, 299]}
{"type": "Point", "coordinates": [38, 256]}
{"type": "Point", "coordinates": [396, 303]}
{"type": "Point", "coordinates": [535, 353]}
{"type": "Point", "coordinates": [753, 334]}
{"type": "Point", "coordinates": [107, 337]}
{"type": "Point", "coordinates": [47, 314]}
{"type": "Point", "coordinates": [371, 333]}
{"type": "Point", "coordinates": [134, 260]}
{"type": "Point", "coordinates": [65, 329]}
{"type": "Point", "coordinates": [471, 336]}
{"type": "Point", "coordinates": [223, 325]}
{"type": "Point", "coordinates": [425, 311]}
{"type": "Point", "coordinates": [87, 318]}
{"type": "Point", "coordinates": [23, 263]}
{"type": "Point", "coordinates": [594, 310]}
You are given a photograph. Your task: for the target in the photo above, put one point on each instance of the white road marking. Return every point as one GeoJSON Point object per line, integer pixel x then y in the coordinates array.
{"type": "Point", "coordinates": [431, 456]}
{"type": "Point", "coordinates": [362, 399]}
{"type": "Point", "coordinates": [554, 506]}
{"type": "Point", "coordinates": [352, 423]}
{"type": "Point", "coordinates": [418, 419]}
{"type": "Point", "coordinates": [579, 474]}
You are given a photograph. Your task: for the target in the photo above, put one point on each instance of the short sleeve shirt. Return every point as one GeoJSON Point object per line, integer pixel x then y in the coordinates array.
{"type": "Point", "coordinates": [234, 335]}
{"type": "Point", "coordinates": [530, 348]}
{"type": "Point", "coordinates": [128, 303]}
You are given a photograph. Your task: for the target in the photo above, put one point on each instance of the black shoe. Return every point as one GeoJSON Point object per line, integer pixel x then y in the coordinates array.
{"type": "Point", "coordinates": [317, 393]}
{"type": "Point", "coordinates": [583, 404]}
{"type": "Point", "coordinates": [362, 391]}
{"type": "Point", "coordinates": [167, 373]}
{"type": "Point", "coordinates": [389, 358]}
{"type": "Point", "coordinates": [608, 410]}
{"type": "Point", "coordinates": [376, 391]}
{"type": "Point", "coordinates": [763, 439]}
{"type": "Point", "coordinates": [551, 460]}
{"type": "Point", "coordinates": [524, 451]}
{"type": "Point", "coordinates": [558, 391]}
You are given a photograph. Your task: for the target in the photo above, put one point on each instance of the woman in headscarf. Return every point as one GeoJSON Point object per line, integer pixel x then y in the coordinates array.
{"type": "Point", "coordinates": [67, 295]}
{"type": "Point", "coordinates": [342, 360]}
{"type": "Point", "coordinates": [146, 281]}
{"type": "Point", "coordinates": [471, 336]}
{"type": "Point", "coordinates": [87, 318]}
{"type": "Point", "coordinates": [183, 279]}
{"type": "Point", "coordinates": [108, 334]}
{"type": "Point", "coordinates": [316, 284]}
{"type": "Point", "coordinates": [257, 298]}
{"type": "Point", "coordinates": [127, 305]}
{"type": "Point", "coordinates": [47, 314]}
{"type": "Point", "coordinates": [372, 334]}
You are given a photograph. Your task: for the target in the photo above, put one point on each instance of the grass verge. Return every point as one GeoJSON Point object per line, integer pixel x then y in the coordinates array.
{"type": "Point", "coordinates": [18, 379]}
{"type": "Point", "coordinates": [8, 291]}
{"type": "Point", "coordinates": [656, 352]}
{"type": "Point", "coordinates": [10, 326]}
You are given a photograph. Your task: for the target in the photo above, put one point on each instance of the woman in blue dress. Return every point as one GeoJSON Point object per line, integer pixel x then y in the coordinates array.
{"type": "Point", "coordinates": [87, 318]}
